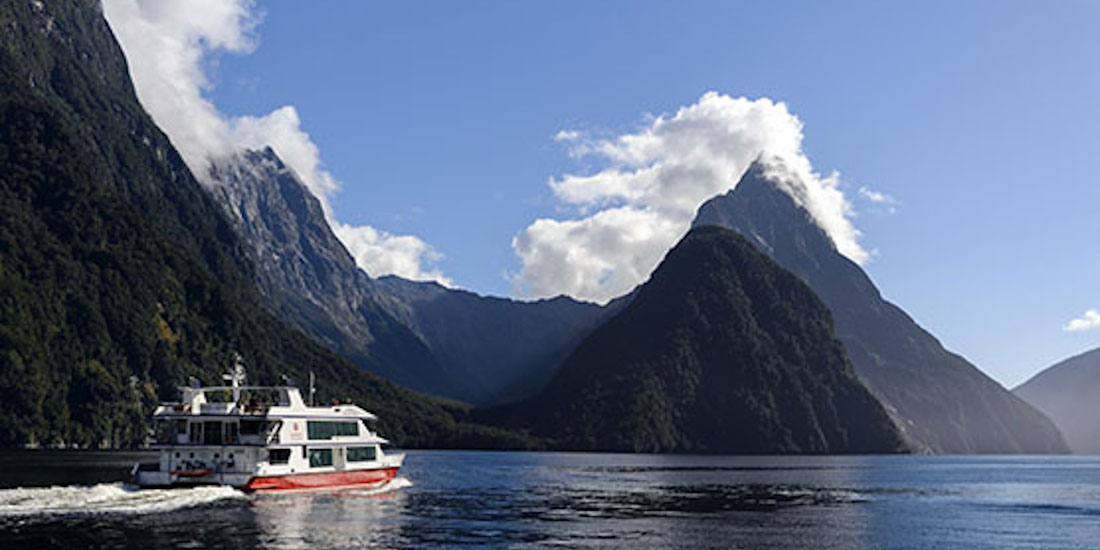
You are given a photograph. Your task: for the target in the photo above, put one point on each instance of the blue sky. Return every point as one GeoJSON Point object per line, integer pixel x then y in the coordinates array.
{"type": "Point", "coordinates": [978, 118]}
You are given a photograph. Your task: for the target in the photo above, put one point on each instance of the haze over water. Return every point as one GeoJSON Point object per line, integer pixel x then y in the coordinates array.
{"type": "Point", "coordinates": [448, 499]}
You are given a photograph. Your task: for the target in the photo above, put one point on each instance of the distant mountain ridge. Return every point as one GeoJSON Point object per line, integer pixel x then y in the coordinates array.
{"type": "Point", "coordinates": [940, 402]}
{"type": "Point", "coordinates": [1069, 393]}
{"type": "Point", "coordinates": [720, 351]}
{"type": "Point", "coordinates": [307, 276]}
{"type": "Point", "coordinates": [447, 342]}
{"type": "Point", "coordinates": [508, 349]}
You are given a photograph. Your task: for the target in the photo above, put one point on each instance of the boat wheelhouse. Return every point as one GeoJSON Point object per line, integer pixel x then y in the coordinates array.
{"type": "Point", "coordinates": [264, 438]}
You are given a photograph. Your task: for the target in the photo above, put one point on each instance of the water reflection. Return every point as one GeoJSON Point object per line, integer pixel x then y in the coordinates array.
{"type": "Point", "coordinates": [609, 500]}
{"type": "Point", "coordinates": [347, 519]}
{"type": "Point", "coordinates": [524, 500]}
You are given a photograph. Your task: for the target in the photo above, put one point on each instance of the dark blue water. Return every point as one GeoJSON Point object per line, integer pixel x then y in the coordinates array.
{"type": "Point", "coordinates": [536, 500]}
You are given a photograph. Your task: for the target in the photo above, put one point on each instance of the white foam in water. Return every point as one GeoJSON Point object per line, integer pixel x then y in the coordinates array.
{"type": "Point", "coordinates": [106, 498]}
{"type": "Point", "coordinates": [117, 498]}
{"type": "Point", "coordinates": [394, 485]}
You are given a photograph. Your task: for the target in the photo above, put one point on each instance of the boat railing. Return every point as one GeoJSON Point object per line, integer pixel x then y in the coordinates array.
{"type": "Point", "coordinates": [216, 408]}
{"type": "Point", "coordinates": [242, 442]}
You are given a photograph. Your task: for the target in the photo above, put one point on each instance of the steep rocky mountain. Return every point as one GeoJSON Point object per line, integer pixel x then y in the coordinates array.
{"type": "Point", "coordinates": [307, 277]}
{"type": "Point", "coordinates": [721, 351]}
{"type": "Point", "coordinates": [452, 343]}
{"type": "Point", "coordinates": [939, 401]}
{"type": "Point", "coordinates": [1069, 393]}
{"type": "Point", "coordinates": [507, 349]}
{"type": "Point", "coordinates": [119, 275]}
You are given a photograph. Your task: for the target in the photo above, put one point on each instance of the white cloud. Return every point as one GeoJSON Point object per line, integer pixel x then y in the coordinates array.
{"type": "Point", "coordinates": [1088, 321]}
{"type": "Point", "coordinates": [653, 181]}
{"type": "Point", "coordinates": [612, 249]}
{"type": "Point", "coordinates": [567, 135]}
{"type": "Point", "coordinates": [167, 42]}
{"type": "Point", "coordinates": [882, 200]}
{"type": "Point", "coordinates": [281, 129]}
{"type": "Point", "coordinates": [875, 196]}
{"type": "Point", "coordinates": [401, 255]}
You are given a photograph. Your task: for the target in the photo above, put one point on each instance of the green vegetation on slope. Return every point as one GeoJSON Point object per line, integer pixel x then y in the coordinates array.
{"type": "Point", "coordinates": [119, 276]}
{"type": "Point", "coordinates": [721, 351]}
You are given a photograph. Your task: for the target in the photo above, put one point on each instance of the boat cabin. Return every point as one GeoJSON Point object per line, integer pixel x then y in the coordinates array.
{"type": "Point", "coordinates": [249, 435]}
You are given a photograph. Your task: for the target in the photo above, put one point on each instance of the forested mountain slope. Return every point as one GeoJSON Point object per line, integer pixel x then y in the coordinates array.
{"type": "Point", "coordinates": [721, 351]}
{"type": "Point", "coordinates": [119, 275]}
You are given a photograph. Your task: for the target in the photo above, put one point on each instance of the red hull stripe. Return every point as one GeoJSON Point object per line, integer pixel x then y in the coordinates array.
{"type": "Point", "coordinates": [336, 480]}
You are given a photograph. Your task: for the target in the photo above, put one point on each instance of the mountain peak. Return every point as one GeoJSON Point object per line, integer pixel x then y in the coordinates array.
{"type": "Point", "coordinates": [958, 409]}
{"type": "Point", "coordinates": [772, 172]}
{"type": "Point", "coordinates": [268, 152]}
{"type": "Point", "coordinates": [703, 360]}
{"type": "Point", "coordinates": [1066, 392]}
{"type": "Point", "coordinates": [763, 207]}
{"type": "Point", "coordinates": [306, 274]}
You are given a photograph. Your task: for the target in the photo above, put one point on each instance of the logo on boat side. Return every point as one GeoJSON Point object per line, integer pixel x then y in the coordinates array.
{"type": "Point", "coordinates": [295, 433]}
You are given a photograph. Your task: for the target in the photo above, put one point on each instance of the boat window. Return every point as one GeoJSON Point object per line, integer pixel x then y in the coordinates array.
{"type": "Point", "coordinates": [362, 454]}
{"type": "Point", "coordinates": [181, 427]}
{"type": "Point", "coordinates": [165, 431]}
{"type": "Point", "coordinates": [231, 432]}
{"type": "Point", "coordinates": [318, 429]}
{"type": "Point", "coordinates": [278, 456]}
{"type": "Point", "coordinates": [251, 427]}
{"type": "Point", "coordinates": [320, 457]}
{"type": "Point", "coordinates": [280, 397]}
{"type": "Point", "coordinates": [212, 433]}
{"type": "Point", "coordinates": [196, 432]}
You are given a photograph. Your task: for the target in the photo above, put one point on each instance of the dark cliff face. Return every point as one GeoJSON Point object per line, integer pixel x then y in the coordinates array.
{"type": "Point", "coordinates": [721, 351]}
{"type": "Point", "coordinates": [119, 275]}
{"type": "Point", "coordinates": [940, 401]}
{"type": "Point", "coordinates": [308, 278]}
{"type": "Point", "coordinates": [507, 349]}
{"type": "Point", "coordinates": [1069, 393]}
{"type": "Point", "coordinates": [452, 343]}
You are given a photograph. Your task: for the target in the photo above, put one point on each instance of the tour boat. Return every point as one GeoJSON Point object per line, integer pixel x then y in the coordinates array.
{"type": "Point", "coordinates": [264, 438]}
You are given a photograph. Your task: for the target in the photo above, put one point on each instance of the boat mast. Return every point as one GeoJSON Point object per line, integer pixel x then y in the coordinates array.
{"type": "Point", "coordinates": [236, 378]}
{"type": "Point", "coordinates": [312, 390]}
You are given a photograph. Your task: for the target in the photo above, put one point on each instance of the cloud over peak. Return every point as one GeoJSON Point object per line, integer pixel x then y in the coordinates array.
{"type": "Point", "coordinates": [167, 44]}
{"type": "Point", "coordinates": [632, 210]}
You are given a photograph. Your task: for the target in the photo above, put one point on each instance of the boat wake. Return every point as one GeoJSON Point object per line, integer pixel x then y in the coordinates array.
{"type": "Point", "coordinates": [106, 498]}
{"type": "Point", "coordinates": [395, 484]}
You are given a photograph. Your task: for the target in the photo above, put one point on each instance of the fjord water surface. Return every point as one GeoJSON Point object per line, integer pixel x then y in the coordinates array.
{"type": "Point", "coordinates": [452, 499]}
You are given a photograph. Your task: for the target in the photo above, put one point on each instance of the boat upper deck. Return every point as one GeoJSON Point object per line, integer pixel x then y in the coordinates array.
{"type": "Point", "coordinates": [237, 414]}
{"type": "Point", "coordinates": [254, 401]}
